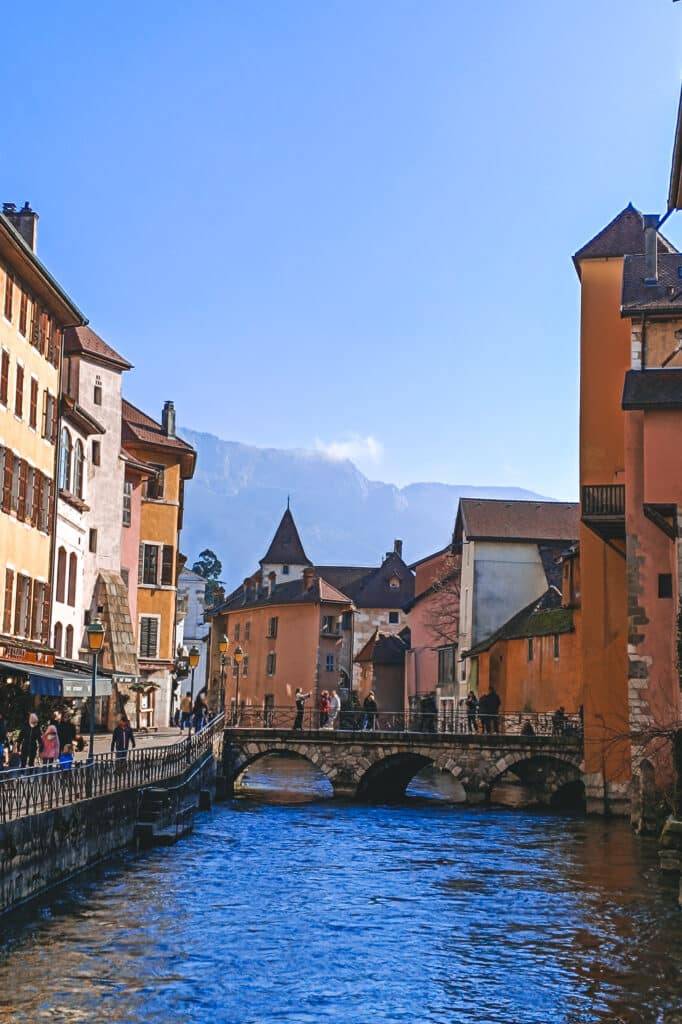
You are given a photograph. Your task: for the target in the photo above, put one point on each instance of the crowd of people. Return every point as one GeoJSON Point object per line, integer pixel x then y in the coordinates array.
{"type": "Point", "coordinates": [53, 743]}
{"type": "Point", "coordinates": [192, 715]}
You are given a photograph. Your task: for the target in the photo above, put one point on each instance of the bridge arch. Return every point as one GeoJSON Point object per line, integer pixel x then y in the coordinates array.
{"type": "Point", "coordinates": [548, 774]}
{"type": "Point", "coordinates": [248, 755]}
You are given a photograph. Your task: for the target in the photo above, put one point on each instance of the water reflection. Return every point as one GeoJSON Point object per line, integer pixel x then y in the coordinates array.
{"type": "Point", "coordinates": [338, 912]}
{"type": "Point", "coordinates": [284, 779]}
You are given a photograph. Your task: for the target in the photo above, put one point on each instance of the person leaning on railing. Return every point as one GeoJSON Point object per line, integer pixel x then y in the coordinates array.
{"type": "Point", "coordinates": [122, 738]}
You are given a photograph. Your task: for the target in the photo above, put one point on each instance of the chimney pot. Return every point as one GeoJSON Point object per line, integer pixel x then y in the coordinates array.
{"type": "Point", "coordinates": [25, 221]}
{"type": "Point", "coordinates": [651, 222]}
{"type": "Point", "coordinates": [398, 548]}
{"type": "Point", "coordinates": [168, 419]}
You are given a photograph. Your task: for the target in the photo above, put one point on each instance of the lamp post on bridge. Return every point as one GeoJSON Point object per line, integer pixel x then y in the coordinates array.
{"type": "Point", "coordinates": [238, 659]}
{"type": "Point", "coordinates": [193, 659]}
{"type": "Point", "coordinates": [223, 646]}
{"type": "Point", "coordinates": [95, 637]}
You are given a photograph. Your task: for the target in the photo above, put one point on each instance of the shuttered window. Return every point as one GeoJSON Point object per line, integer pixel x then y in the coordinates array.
{"type": "Point", "coordinates": [149, 636]}
{"type": "Point", "coordinates": [149, 565]}
{"type": "Point", "coordinates": [22, 605]}
{"type": "Point", "coordinates": [271, 664]}
{"type": "Point", "coordinates": [37, 610]}
{"type": "Point", "coordinates": [14, 497]}
{"type": "Point", "coordinates": [33, 410]}
{"type": "Point", "coordinates": [45, 627]}
{"type": "Point", "coordinates": [23, 484]}
{"type": "Point", "coordinates": [23, 313]}
{"type": "Point", "coordinates": [127, 502]}
{"type": "Point", "coordinates": [154, 484]}
{"type": "Point", "coordinates": [37, 497]}
{"type": "Point", "coordinates": [19, 392]}
{"type": "Point", "coordinates": [9, 588]}
{"type": "Point", "coordinates": [4, 377]}
{"type": "Point", "coordinates": [61, 575]}
{"type": "Point", "coordinates": [58, 639]}
{"type": "Point", "coordinates": [167, 566]}
{"type": "Point", "coordinates": [9, 294]}
{"type": "Point", "coordinates": [73, 571]}
{"type": "Point", "coordinates": [68, 646]}
{"type": "Point", "coordinates": [7, 481]}
{"type": "Point", "coordinates": [30, 495]}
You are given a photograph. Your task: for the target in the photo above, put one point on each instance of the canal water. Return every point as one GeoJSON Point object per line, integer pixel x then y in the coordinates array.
{"type": "Point", "coordinates": [302, 910]}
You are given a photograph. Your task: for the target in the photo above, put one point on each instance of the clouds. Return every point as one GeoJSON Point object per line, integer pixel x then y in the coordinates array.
{"type": "Point", "coordinates": [364, 450]}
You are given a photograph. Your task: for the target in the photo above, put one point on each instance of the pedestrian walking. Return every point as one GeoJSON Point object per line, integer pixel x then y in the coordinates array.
{"type": "Point", "coordinates": [66, 730]}
{"type": "Point", "coordinates": [300, 699]}
{"type": "Point", "coordinates": [472, 710]}
{"type": "Point", "coordinates": [334, 708]}
{"type": "Point", "coordinates": [122, 738]}
{"type": "Point", "coordinates": [50, 747]}
{"type": "Point", "coordinates": [200, 711]}
{"type": "Point", "coordinates": [30, 741]}
{"type": "Point", "coordinates": [371, 709]}
{"type": "Point", "coordinates": [323, 708]}
{"type": "Point", "coordinates": [185, 712]}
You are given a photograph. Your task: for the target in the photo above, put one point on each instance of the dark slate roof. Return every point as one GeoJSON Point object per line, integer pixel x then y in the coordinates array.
{"type": "Point", "coordinates": [653, 389]}
{"type": "Point", "coordinates": [542, 617]}
{"type": "Point", "coordinates": [286, 547]}
{"type": "Point", "coordinates": [664, 297]}
{"type": "Point", "coordinates": [497, 519]}
{"type": "Point", "coordinates": [385, 648]}
{"type": "Point", "coordinates": [291, 592]}
{"type": "Point", "coordinates": [370, 587]}
{"type": "Point", "coordinates": [84, 340]}
{"type": "Point", "coordinates": [623, 236]}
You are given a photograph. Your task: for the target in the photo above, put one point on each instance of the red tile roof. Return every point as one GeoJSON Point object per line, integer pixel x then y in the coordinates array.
{"type": "Point", "coordinates": [137, 426]}
{"type": "Point", "coordinates": [623, 236]}
{"type": "Point", "coordinates": [84, 339]}
{"type": "Point", "coordinates": [496, 519]}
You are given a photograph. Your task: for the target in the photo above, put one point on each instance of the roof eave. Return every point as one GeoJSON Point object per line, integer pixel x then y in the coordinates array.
{"type": "Point", "coordinates": [675, 189]}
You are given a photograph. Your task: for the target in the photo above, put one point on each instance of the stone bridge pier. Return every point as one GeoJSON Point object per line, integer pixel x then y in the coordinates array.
{"type": "Point", "coordinates": [380, 765]}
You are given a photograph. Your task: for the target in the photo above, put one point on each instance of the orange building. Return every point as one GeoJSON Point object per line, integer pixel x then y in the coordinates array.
{"type": "Point", "coordinates": [605, 356]}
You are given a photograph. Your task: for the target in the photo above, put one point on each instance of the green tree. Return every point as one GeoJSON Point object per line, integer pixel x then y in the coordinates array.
{"type": "Point", "coordinates": [210, 567]}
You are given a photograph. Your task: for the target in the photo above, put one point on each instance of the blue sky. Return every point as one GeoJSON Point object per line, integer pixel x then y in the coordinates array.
{"type": "Point", "coordinates": [345, 225]}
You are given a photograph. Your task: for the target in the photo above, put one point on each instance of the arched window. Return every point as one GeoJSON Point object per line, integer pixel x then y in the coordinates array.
{"type": "Point", "coordinates": [58, 639]}
{"type": "Point", "coordinates": [68, 648]}
{"type": "Point", "coordinates": [61, 574]}
{"type": "Point", "coordinates": [65, 461]}
{"type": "Point", "coordinates": [78, 469]}
{"type": "Point", "coordinates": [73, 569]}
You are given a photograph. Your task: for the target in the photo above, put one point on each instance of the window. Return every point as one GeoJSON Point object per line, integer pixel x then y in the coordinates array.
{"type": "Point", "coordinates": [68, 647]}
{"type": "Point", "coordinates": [530, 648]}
{"type": "Point", "coordinates": [394, 618]}
{"type": "Point", "coordinates": [665, 584]}
{"type": "Point", "coordinates": [149, 636]}
{"type": "Point", "coordinates": [45, 504]}
{"type": "Point", "coordinates": [167, 565]}
{"type": "Point", "coordinates": [330, 663]}
{"type": "Point", "coordinates": [65, 451]}
{"type": "Point", "coordinates": [97, 394]}
{"type": "Point", "coordinates": [23, 313]}
{"type": "Point", "coordinates": [555, 645]}
{"type": "Point", "coordinates": [4, 377]}
{"type": "Point", "coordinates": [8, 463]}
{"type": "Point", "coordinates": [19, 392]}
{"type": "Point", "coordinates": [16, 476]}
{"type": "Point", "coordinates": [127, 502]}
{"type": "Point", "coordinates": [96, 453]}
{"type": "Point", "coordinates": [78, 469]}
{"type": "Point", "coordinates": [329, 624]}
{"type": "Point", "coordinates": [73, 571]}
{"type": "Point", "coordinates": [125, 576]}
{"type": "Point", "coordinates": [446, 665]}
{"type": "Point", "coordinates": [49, 416]}
{"type": "Point", "coordinates": [394, 583]}
{"type": "Point", "coordinates": [9, 588]}
{"type": "Point", "coordinates": [346, 620]}
{"type": "Point", "coordinates": [271, 663]}
{"type": "Point", "coordinates": [9, 293]}
{"type": "Point", "coordinates": [39, 613]}
{"type": "Point", "coordinates": [285, 570]}
{"type": "Point", "coordinates": [61, 575]}
{"type": "Point", "coordinates": [23, 483]}
{"type": "Point", "coordinates": [247, 630]}
{"type": "Point", "coordinates": [58, 639]}
{"type": "Point", "coordinates": [22, 606]}
{"type": "Point", "coordinates": [245, 665]}
{"type": "Point", "coordinates": [272, 627]}
{"type": "Point", "coordinates": [92, 541]}
{"type": "Point", "coordinates": [33, 409]}
{"type": "Point", "coordinates": [154, 486]}
{"type": "Point", "coordinates": [237, 633]}
{"type": "Point", "coordinates": [30, 513]}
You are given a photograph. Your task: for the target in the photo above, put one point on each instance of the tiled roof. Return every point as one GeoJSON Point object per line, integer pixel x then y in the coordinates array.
{"type": "Point", "coordinates": [653, 389]}
{"type": "Point", "coordinates": [84, 339]}
{"type": "Point", "coordinates": [285, 547]}
{"type": "Point", "coordinates": [664, 297]}
{"type": "Point", "coordinates": [544, 616]}
{"type": "Point", "coordinates": [137, 426]}
{"type": "Point", "coordinates": [370, 588]}
{"type": "Point", "coordinates": [496, 519]}
{"type": "Point", "coordinates": [291, 592]}
{"type": "Point", "coordinates": [624, 236]}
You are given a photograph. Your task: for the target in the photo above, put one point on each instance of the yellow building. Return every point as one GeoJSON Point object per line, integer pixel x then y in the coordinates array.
{"type": "Point", "coordinates": [34, 311]}
{"type": "Point", "coordinates": [172, 461]}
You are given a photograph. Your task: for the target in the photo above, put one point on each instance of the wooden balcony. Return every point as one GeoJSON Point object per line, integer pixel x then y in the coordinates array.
{"type": "Point", "coordinates": [603, 510]}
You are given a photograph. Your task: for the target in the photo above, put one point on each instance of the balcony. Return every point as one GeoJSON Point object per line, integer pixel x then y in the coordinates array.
{"type": "Point", "coordinates": [603, 510]}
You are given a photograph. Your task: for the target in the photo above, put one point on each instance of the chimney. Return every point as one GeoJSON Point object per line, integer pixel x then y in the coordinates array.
{"type": "Point", "coordinates": [308, 577]}
{"type": "Point", "coordinates": [272, 576]}
{"type": "Point", "coordinates": [398, 548]}
{"type": "Point", "coordinates": [168, 419]}
{"type": "Point", "coordinates": [25, 221]}
{"type": "Point", "coordinates": [651, 249]}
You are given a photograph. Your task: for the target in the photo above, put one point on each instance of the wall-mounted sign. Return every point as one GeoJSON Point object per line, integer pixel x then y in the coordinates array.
{"type": "Point", "coordinates": [23, 656]}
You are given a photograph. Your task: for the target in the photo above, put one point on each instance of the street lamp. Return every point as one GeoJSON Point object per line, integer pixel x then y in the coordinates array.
{"type": "Point", "coordinates": [95, 637]}
{"type": "Point", "coordinates": [238, 659]}
{"type": "Point", "coordinates": [223, 645]}
{"type": "Point", "coordinates": [193, 659]}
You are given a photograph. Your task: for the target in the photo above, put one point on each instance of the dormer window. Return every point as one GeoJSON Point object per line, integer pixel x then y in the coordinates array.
{"type": "Point", "coordinates": [394, 582]}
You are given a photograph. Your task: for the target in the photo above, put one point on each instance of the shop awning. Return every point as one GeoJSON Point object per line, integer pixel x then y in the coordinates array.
{"type": "Point", "coordinates": [44, 685]}
{"type": "Point", "coordinates": [50, 682]}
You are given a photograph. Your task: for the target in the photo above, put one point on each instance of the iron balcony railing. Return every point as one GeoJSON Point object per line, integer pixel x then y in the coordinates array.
{"type": "Point", "coordinates": [603, 500]}
{"type": "Point", "coordinates": [25, 791]}
{"type": "Point", "coordinates": [450, 723]}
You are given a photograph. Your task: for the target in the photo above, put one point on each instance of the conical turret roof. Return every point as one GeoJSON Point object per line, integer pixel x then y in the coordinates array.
{"type": "Point", "coordinates": [286, 547]}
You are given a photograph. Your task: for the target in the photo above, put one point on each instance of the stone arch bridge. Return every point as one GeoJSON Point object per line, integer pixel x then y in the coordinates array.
{"type": "Point", "coordinates": [380, 765]}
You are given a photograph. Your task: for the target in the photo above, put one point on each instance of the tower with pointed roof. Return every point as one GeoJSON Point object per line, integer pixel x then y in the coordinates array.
{"type": "Point", "coordinates": [285, 556]}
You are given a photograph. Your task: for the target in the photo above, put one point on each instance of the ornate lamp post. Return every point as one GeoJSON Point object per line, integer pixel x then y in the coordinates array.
{"type": "Point", "coordinates": [223, 645]}
{"type": "Point", "coordinates": [238, 659]}
{"type": "Point", "coordinates": [95, 636]}
{"type": "Point", "coordinates": [193, 659]}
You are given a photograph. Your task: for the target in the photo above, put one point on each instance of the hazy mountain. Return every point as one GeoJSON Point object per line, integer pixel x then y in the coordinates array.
{"type": "Point", "coordinates": [239, 493]}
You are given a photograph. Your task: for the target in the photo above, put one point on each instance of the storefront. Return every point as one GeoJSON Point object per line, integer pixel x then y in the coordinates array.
{"type": "Point", "coordinates": [32, 681]}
